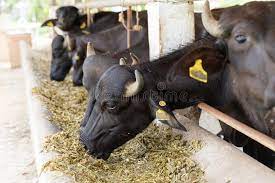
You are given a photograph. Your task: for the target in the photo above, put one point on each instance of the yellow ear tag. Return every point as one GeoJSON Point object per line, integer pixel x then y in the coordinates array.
{"type": "Point", "coordinates": [197, 72]}
{"type": "Point", "coordinates": [83, 25]}
{"type": "Point", "coordinates": [162, 103]}
{"type": "Point", "coordinates": [162, 115]}
{"type": "Point", "coordinates": [86, 32]}
{"type": "Point", "coordinates": [76, 57]}
{"type": "Point", "coordinates": [50, 24]}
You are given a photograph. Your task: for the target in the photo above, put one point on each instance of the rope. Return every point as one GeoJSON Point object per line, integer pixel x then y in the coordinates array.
{"type": "Point", "coordinates": [136, 27]}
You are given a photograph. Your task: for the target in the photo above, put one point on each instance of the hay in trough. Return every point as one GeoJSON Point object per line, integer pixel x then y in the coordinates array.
{"type": "Point", "coordinates": [156, 155]}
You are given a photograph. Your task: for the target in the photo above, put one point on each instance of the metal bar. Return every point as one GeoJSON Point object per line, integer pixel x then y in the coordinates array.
{"type": "Point", "coordinates": [241, 127]}
{"type": "Point", "coordinates": [102, 4]}
{"type": "Point", "coordinates": [129, 26]}
{"type": "Point", "coordinates": [111, 3]}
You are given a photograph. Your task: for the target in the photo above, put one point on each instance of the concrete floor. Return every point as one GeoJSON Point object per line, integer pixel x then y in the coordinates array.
{"type": "Point", "coordinates": [16, 154]}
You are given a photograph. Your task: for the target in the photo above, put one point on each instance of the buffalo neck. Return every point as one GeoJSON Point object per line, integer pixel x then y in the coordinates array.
{"type": "Point", "coordinates": [171, 74]}
{"type": "Point", "coordinates": [155, 72]}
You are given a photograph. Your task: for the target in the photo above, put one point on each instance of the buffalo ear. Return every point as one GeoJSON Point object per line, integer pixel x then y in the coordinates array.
{"type": "Point", "coordinates": [49, 23]}
{"type": "Point", "coordinates": [83, 21]}
{"type": "Point", "coordinates": [164, 114]}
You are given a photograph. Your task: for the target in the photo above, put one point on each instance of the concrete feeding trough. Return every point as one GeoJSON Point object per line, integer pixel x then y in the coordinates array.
{"type": "Point", "coordinates": [39, 125]}
{"type": "Point", "coordinates": [10, 46]}
{"type": "Point", "coordinates": [221, 161]}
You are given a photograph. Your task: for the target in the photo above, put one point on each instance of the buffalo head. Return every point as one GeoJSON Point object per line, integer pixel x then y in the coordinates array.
{"type": "Point", "coordinates": [112, 120]}
{"type": "Point", "coordinates": [67, 17]}
{"type": "Point", "coordinates": [249, 34]}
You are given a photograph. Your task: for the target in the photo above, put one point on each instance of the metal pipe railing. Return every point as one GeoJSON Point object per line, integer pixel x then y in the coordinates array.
{"type": "Point", "coordinates": [239, 126]}
{"type": "Point", "coordinates": [112, 3]}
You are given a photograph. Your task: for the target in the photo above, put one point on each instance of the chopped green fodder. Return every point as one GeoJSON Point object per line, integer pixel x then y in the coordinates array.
{"type": "Point", "coordinates": [156, 155]}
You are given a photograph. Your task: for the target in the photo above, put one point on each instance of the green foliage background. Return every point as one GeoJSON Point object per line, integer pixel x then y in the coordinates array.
{"type": "Point", "coordinates": [38, 9]}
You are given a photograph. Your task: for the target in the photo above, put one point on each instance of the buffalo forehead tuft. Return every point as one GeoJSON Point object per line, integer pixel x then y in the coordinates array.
{"type": "Point", "coordinates": [112, 82]}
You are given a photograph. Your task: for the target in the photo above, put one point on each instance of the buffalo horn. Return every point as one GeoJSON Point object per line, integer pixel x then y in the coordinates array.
{"type": "Point", "coordinates": [122, 61]}
{"type": "Point", "coordinates": [90, 49]}
{"type": "Point", "coordinates": [209, 22]}
{"type": "Point", "coordinates": [134, 88]}
{"type": "Point", "coordinates": [134, 59]}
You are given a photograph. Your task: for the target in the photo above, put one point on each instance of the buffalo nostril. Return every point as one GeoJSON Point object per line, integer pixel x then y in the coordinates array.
{"type": "Point", "coordinates": [57, 77]}
{"type": "Point", "coordinates": [105, 156]}
{"type": "Point", "coordinates": [83, 137]}
{"type": "Point", "coordinates": [85, 142]}
{"type": "Point", "coordinates": [77, 83]}
{"type": "Point", "coordinates": [54, 78]}
{"type": "Point", "coordinates": [85, 147]}
{"type": "Point", "coordinates": [101, 155]}
{"type": "Point", "coordinates": [77, 80]}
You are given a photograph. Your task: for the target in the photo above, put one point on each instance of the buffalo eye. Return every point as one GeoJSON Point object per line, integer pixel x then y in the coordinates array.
{"type": "Point", "coordinates": [111, 105]}
{"type": "Point", "coordinates": [240, 39]}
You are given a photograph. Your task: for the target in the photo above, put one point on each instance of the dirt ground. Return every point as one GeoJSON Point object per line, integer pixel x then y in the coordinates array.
{"type": "Point", "coordinates": [16, 154]}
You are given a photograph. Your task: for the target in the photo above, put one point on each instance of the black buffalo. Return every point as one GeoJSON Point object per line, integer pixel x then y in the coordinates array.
{"type": "Point", "coordinates": [112, 41]}
{"type": "Point", "coordinates": [71, 24]}
{"type": "Point", "coordinates": [249, 34]}
{"type": "Point", "coordinates": [69, 20]}
{"type": "Point", "coordinates": [128, 98]}
{"type": "Point", "coordinates": [61, 62]}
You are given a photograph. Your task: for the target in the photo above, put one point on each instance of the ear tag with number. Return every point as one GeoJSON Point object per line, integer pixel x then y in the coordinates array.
{"type": "Point", "coordinates": [197, 72]}
{"type": "Point", "coordinates": [162, 103]}
{"type": "Point", "coordinates": [76, 57]}
{"type": "Point", "coordinates": [162, 115]}
{"type": "Point", "coordinates": [83, 25]}
{"type": "Point", "coordinates": [50, 24]}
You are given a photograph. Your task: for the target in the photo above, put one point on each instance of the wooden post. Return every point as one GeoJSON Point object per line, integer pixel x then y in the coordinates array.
{"type": "Point", "coordinates": [129, 26]}
{"type": "Point", "coordinates": [88, 17]}
{"type": "Point", "coordinates": [12, 47]}
{"type": "Point", "coordinates": [171, 25]}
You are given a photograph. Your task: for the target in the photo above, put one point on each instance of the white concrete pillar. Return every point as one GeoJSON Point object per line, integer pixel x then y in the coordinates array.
{"type": "Point", "coordinates": [170, 26]}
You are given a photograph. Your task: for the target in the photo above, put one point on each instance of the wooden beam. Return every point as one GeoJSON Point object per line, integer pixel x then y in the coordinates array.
{"type": "Point", "coordinates": [241, 127]}
{"type": "Point", "coordinates": [88, 17]}
{"type": "Point", "coordinates": [111, 3]}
